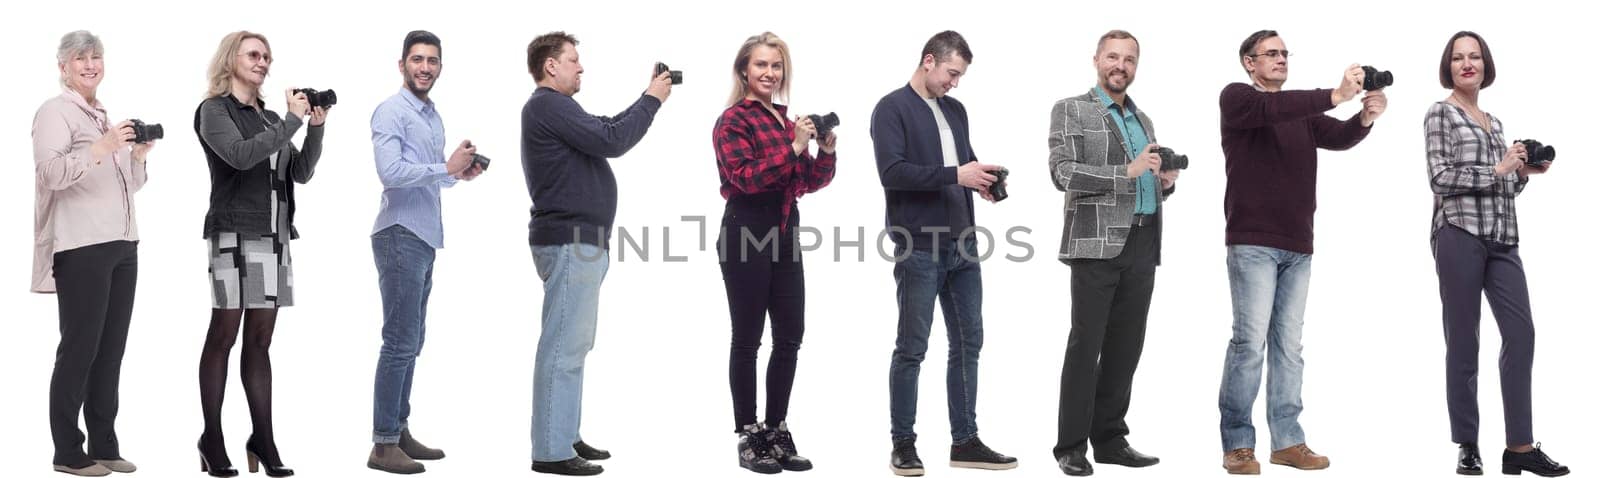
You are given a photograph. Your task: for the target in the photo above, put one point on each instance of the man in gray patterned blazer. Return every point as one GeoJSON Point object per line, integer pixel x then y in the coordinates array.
{"type": "Point", "coordinates": [1102, 154]}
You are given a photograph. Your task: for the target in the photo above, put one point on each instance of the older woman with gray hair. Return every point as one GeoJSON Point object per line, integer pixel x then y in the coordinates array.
{"type": "Point", "coordinates": [86, 170]}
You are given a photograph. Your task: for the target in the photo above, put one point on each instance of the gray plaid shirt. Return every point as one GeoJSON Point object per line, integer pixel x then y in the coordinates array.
{"type": "Point", "coordinates": [1466, 192]}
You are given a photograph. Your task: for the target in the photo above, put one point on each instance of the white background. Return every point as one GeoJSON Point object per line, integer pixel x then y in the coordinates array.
{"type": "Point", "coordinates": [657, 383]}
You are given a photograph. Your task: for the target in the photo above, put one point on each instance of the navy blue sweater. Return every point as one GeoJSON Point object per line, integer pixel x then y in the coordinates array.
{"type": "Point", "coordinates": [564, 159]}
{"type": "Point", "coordinates": [921, 194]}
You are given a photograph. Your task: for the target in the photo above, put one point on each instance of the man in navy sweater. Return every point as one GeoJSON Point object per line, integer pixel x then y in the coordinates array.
{"type": "Point", "coordinates": [926, 164]}
{"type": "Point", "coordinates": [1270, 138]}
{"type": "Point", "coordinates": [564, 158]}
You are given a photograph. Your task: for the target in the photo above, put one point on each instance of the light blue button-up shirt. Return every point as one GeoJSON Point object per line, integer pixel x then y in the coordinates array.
{"type": "Point", "coordinates": [1133, 134]}
{"type": "Point", "coordinates": [408, 147]}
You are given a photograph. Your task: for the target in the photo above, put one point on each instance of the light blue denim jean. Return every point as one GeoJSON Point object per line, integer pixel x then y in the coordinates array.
{"type": "Point", "coordinates": [405, 278]}
{"type": "Point", "coordinates": [572, 274]}
{"type": "Point", "coordinates": [1269, 302]}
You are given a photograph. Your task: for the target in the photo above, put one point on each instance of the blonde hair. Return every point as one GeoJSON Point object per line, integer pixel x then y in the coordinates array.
{"type": "Point", "coordinates": [220, 74]}
{"type": "Point", "coordinates": [742, 60]}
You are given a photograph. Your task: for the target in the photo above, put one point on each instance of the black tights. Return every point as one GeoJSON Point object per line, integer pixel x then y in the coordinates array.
{"type": "Point", "coordinates": [255, 369]}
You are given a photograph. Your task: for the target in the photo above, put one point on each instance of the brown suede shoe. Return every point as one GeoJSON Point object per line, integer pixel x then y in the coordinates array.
{"type": "Point", "coordinates": [1241, 461]}
{"type": "Point", "coordinates": [1300, 456]}
{"type": "Point", "coordinates": [391, 459]}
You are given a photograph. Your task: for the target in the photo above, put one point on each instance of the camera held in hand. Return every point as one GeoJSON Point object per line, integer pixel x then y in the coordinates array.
{"type": "Point", "coordinates": [1539, 154]}
{"type": "Point", "coordinates": [146, 132]}
{"type": "Point", "coordinates": [319, 99]}
{"type": "Point", "coordinates": [824, 124]}
{"type": "Point", "coordinates": [481, 161]}
{"type": "Point", "coordinates": [677, 76]}
{"type": "Point", "coordinates": [1376, 79]}
{"type": "Point", "coordinates": [997, 190]}
{"type": "Point", "coordinates": [1171, 160]}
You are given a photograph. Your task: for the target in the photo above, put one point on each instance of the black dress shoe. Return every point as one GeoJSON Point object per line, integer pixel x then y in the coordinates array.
{"type": "Point", "coordinates": [590, 453]}
{"type": "Point", "coordinates": [1468, 461]}
{"type": "Point", "coordinates": [1127, 456]}
{"type": "Point", "coordinates": [1536, 462]}
{"type": "Point", "coordinates": [1075, 464]}
{"type": "Point", "coordinates": [577, 466]}
{"type": "Point", "coordinates": [903, 460]}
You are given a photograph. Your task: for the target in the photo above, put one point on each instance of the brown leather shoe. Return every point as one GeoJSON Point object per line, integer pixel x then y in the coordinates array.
{"type": "Point", "coordinates": [1241, 461]}
{"type": "Point", "coordinates": [1300, 456]}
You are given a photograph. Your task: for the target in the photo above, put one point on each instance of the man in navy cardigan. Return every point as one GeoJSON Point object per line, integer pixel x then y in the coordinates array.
{"type": "Point", "coordinates": [927, 167]}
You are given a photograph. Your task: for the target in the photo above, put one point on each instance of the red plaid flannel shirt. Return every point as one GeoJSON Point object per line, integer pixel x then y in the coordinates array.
{"type": "Point", "coordinates": [755, 153]}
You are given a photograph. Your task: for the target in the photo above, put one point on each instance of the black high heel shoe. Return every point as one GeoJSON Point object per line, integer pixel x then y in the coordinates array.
{"type": "Point", "coordinates": [253, 459]}
{"type": "Point", "coordinates": [220, 468]}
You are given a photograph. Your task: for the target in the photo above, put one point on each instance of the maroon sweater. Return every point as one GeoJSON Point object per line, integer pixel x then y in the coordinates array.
{"type": "Point", "coordinates": [1270, 141]}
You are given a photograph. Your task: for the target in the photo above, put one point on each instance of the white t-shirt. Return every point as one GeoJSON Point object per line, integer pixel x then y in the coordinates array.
{"type": "Point", "coordinates": [947, 138]}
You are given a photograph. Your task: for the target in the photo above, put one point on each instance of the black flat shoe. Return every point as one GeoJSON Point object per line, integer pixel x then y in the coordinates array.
{"type": "Point", "coordinates": [1074, 463]}
{"type": "Point", "coordinates": [1127, 456]}
{"type": "Point", "coordinates": [590, 453]}
{"type": "Point", "coordinates": [1536, 462]}
{"type": "Point", "coordinates": [1468, 461]}
{"type": "Point", "coordinates": [577, 466]}
{"type": "Point", "coordinates": [253, 454]}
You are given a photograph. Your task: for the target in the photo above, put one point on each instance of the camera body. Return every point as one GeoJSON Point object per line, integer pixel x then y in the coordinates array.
{"type": "Point", "coordinates": [1539, 154]}
{"type": "Point", "coordinates": [481, 161]}
{"type": "Point", "coordinates": [677, 76]}
{"type": "Point", "coordinates": [146, 132]}
{"type": "Point", "coordinates": [319, 99]}
{"type": "Point", "coordinates": [1376, 79]}
{"type": "Point", "coordinates": [1171, 160]}
{"type": "Point", "coordinates": [998, 188]}
{"type": "Point", "coordinates": [824, 123]}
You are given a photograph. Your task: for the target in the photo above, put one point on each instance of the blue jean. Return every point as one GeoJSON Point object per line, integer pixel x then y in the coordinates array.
{"type": "Point", "coordinates": [405, 278]}
{"type": "Point", "coordinates": [956, 282]}
{"type": "Point", "coordinates": [1269, 304]}
{"type": "Point", "coordinates": [572, 274]}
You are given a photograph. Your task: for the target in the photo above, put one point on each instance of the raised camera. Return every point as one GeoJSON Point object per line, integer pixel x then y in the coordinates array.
{"type": "Point", "coordinates": [677, 76]}
{"type": "Point", "coordinates": [1376, 79]}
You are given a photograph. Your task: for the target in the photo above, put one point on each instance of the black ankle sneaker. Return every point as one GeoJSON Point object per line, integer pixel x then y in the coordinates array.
{"type": "Point", "coordinates": [755, 454]}
{"type": "Point", "coordinates": [974, 454]}
{"type": "Point", "coordinates": [1536, 462]}
{"type": "Point", "coordinates": [903, 460]}
{"type": "Point", "coordinates": [783, 448]}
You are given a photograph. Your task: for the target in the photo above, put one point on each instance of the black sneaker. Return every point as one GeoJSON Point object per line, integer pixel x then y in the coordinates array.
{"type": "Point", "coordinates": [974, 454]}
{"type": "Point", "coordinates": [577, 466]}
{"type": "Point", "coordinates": [783, 448]}
{"type": "Point", "coordinates": [1536, 462]}
{"type": "Point", "coordinates": [755, 454]}
{"type": "Point", "coordinates": [903, 460]}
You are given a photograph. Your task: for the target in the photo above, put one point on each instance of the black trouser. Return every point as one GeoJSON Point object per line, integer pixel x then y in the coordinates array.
{"type": "Point", "coordinates": [1110, 304]}
{"type": "Point", "coordinates": [94, 293]}
{"type": "Point", "coordinates": [1470, 268]}
{"type": "Point", "coordinates": [763, 273]}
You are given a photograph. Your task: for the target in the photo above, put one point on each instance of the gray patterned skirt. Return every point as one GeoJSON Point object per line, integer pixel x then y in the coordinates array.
{"type": "Point", "coordinates": [250, 271]}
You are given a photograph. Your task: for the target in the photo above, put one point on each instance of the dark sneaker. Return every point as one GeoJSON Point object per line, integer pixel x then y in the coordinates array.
{"type": "Point", "coordinates": [755, 454]}
{"type": "Point", "coordinates": [783, 448]}
{"type": "Point", "coordinates": [974, 454]}
{"type": "Point", "coordinates": [903, 460]}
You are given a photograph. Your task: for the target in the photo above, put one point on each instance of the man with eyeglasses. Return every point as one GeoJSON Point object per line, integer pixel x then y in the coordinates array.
{"type": "Point", "coordinates": [1270, 138]}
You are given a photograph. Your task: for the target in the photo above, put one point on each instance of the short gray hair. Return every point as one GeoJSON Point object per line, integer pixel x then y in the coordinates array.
{"type": "Point", "coordinates": [78, 42]}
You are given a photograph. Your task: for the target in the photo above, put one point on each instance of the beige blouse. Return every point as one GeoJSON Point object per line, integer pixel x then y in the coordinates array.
{"type": "Point", "coordinates": [79, 199]}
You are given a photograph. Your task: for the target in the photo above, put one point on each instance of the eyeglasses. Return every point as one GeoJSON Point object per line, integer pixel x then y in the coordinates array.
{"type": "Point", "coordinates": [257, 56]}
{"type": "Point", "coordinates": [1272, 54]}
